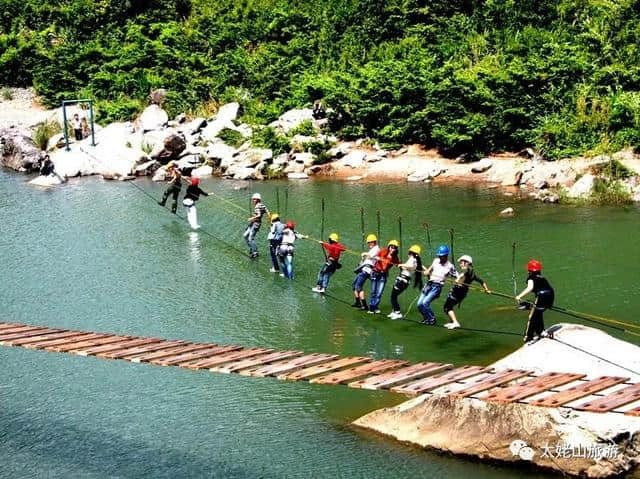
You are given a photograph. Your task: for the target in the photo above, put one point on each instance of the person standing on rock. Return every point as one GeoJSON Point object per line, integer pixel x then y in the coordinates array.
{"type": "Point", "coordinates": [438, 272]}
{"type": "Point", "coordinates": [190, 198]}
{"type": "Point", "coordinates": [255, 221]}
{"type": "Point", "coordinates": [286, 248]}
{"type": "Point", "coordinates": [275, 238]}
{"type": "Point", "coordinates": [364, 270]}
{"type": "Point", "coordinates": [460, 289]}
{"type": "Point", "coordinates": [175, 185]}
{"type": "Point", "coordinates": [413, 265]}
{"type": "Point", "coordinates": [387, 258]}
{"type": "Point", "coordinates": [47, 167]}
{"type": "Point", "coordinates": [541, 288]}
{"type": "Point", "coordinates": [332, 263]}
{"type": "Point", "coordinates": [76, 124]}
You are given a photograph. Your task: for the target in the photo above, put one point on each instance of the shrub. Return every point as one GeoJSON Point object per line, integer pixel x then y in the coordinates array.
{"type": "Point", "coordinates": [7, 94]}
{"type": "Point", "coordinates": [44, 132]}
{"type": "Point", "coordinates": [613, 170]}
{"type": "Point", "coordinates": [609, 192]}
{"type": "Point", "coordinates": [268, 137]}
{"type": "Point", "coordinates": [231, 137]}
{"type": "Point", "coordinates": [305, 128]}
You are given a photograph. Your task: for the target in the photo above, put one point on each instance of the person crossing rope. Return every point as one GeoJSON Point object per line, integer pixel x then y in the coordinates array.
{"type": "Point", "coordinates": [255, 221]}
{"type": "Point", "coordinates": [286, 248]}
{"type": "Point", "coordinates": [333, 250]}
{"type": "Point", "coordinates": [413, 265]}
{"type": "Point", "coordinates": [460, 289]}
{"type": "Point", "coordinates": [275, 238]}
{"type": "Point", "coordinates": [190, 198]}
{"type": "Point", "coordinates": [363, 271]}
{"type": "Point", "coordinates": [174, 186]}
{"type": "Point", "coordinates": [541, 288]}
{"type": "Point", "coordinates": [440, 269]}
{"type": "Point", "coordinates": [387, 258]}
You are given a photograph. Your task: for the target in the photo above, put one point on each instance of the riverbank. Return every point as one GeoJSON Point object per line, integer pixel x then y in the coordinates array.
{"type": "Point", "coordinates": [297, 147]}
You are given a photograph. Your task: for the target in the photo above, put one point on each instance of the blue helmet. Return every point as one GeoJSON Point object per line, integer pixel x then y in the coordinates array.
{"type": "Point", "coordinates": [443, 250]}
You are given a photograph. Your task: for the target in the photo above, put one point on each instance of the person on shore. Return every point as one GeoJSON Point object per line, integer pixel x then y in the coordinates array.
{"type": "Point", "coordinates": [460, 289]}
{"type": "Point", "coordinates": [255, 221]}
{"type": "Point", "coordinates": [275, 238]}
{"type": "Point", "coordinates": [286, 248]}
{"type": "Point", "coordinates": [318, 111]}
{"type": "Point", "coordinates": [387, 258]}
{"type": "Point", "coordinates": [190, 198]}
{"type": "Point", "coordinates": [333, 250]}
{"type": "Point", "coordinates": [364, 270]}
{"type": "Point", "coordinates": [438, 272]}
{"type": "Point", "coordinates": [84, 124]}
{"type": "Point", "coordinates": [541, 288]}
{"type": "Point", "coordinates": [174, 186]}
{"type": "Point", "coordinates": [76, 124]}
{"type": "Point", "coordinates": [413, 265]}
{"type": "Point", "coordinates": [47, 168]}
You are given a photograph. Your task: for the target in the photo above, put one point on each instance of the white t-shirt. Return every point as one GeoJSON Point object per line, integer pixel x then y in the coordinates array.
{"type": "Point", "coordinates": [371, 258]}
{"type": "Point", "coordinates": [410, 266]}
{"type": "Point", "coordinates": [439, 271]}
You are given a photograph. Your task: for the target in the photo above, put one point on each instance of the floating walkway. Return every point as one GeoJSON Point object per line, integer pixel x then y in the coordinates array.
{"type": "Point", "coordinates": [603, 394]}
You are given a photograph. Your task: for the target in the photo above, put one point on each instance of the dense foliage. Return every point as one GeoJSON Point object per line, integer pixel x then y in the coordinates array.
{"type": "Point", "coordinates": [461, 75]}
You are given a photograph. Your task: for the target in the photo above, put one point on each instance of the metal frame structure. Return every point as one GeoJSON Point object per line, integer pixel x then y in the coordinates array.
{"type": "Point", "coordinates": [64, 119]}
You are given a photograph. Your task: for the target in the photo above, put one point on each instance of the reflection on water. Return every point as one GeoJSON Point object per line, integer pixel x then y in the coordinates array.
{"type": "Point", "coordinates": [194, 246]}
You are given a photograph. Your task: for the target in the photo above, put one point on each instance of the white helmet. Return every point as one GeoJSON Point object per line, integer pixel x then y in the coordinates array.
{"type": "Point", "coordinates": [256, 196]}
{"type": "Point", "coordinates": [466, 258]}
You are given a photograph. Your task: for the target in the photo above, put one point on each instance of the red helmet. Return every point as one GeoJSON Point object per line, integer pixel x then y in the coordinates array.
{"type": "Point", "coordinates": [534, 266]}
{"type": "Point", "coordinates": [291, 225]}
{"type": "Point", "coordinates": [195, 181]}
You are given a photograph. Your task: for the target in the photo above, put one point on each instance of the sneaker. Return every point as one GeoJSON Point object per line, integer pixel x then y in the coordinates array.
{"type": "Point", "coordinates": [428, 322]}
{"type": "Point", "coordinates": [391, 314]}
{"type": "Point", "coordinates": [253, 255]}
{"type": "Point", "coordinates": [377, 311]}
{"type": "Point", "coordinates": [273, 270]}
{"type": "Point", "coordinates": [397, 315]}
{"type": "Point", "coordinates": [370, 312]}
{"type": "Point", "coordinates": [451, 325]}
{"type": "Point", "coordinates": [318, 289]}
{"type": "Point", "coordinates": [282, 275]}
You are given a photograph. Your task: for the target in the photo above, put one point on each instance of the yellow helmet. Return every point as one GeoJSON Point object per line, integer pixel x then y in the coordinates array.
{"type": "Point", "coordinates": [274, 216]}
{"type": "Point", "coordinates": [394, 243]}
{"type": "Point", "coordinates": [415, 249]}
{"type": "Point", "coordinates": [334, 237]}
{"type": "Point", "coordinates": [171, 164]}
{"type": "Point", "coordinates": [372, 238]}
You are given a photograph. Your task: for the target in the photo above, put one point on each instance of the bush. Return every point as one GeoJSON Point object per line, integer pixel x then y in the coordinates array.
{"type": "Point", "coordinates": [305, 128]}
{"type": "Point", "coordinates": [231, 137]}
{"type": "Point", "coordinates": [7, 94]}
{"type": "Point", "coordinates": [613, 170]}
{"type": "Point", "coordinates": [609, 192]}
{"type": "Point", "coordinates": [44, 132]}
{"type": "Point", "coordinates": [268, 138]}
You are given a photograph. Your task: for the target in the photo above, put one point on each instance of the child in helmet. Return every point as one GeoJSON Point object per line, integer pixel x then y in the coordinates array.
{"type": "Point", "coordinates": [363, 271]}
{"type": "Point", "coordinates": [255, 221]}
{"type": "Point", "coordinates": [285, 250]}
{"type": "Point", "coordinates": [333, 249]}
{"type": "Point", "coordinates": [440, 269]}
{"type": "Point", "coordinates": [175, 185]}
{"type": "Point", "coordinates": [413, 265]}
{"type": "Point", "coordinates": [538, 285]}
{"type": "Point", "coordinates": [275, 238]}
{"type": "Point", "coordinates": [460, 289]}
{"type": "Point", "coordinates": [191, 196]}
{"type": "Point", "coordinates": [387, 258]}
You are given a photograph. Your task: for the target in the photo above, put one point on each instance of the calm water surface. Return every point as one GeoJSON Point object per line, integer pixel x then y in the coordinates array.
{"type": "Point", "coordinates": [101, 256]}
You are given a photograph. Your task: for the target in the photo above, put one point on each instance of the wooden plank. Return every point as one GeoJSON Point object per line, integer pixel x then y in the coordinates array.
{"type": "Point", "coordinates": [128, 349]}
{"type": "Point", "coordinates": [359, 372]}
{"type": "Point", "coordinates": [145, 357]}
{"type": "Point", "coordinates": [290, 365]}
{"type": "Point", "coordinates": [20, 329]}
{"type": "Point", "coordinates": [579, 391]}
{"type": "Point", "coordinates": [489, 382]}
{"type": "Point", "coordinates": [129, 352]}
{"type": "Point", "coordinates": [238, 366]}
{"type": "Point", "coordinates": [428, 384]}
{"type": "Point", "coordinates": [6, 340]}
{"type": "Point", "coordinates": [401, 376]}
{"type": "Point", "coordinates": [225, 358]}
{"type": "Point", "coordinates": [633, 412]}
{"type": "Point", "coordinates": [26, 342]}
{"type": "Point", "coordinates": [531, 387]}
{"type": "Point", "coordinates": [102, 339]}
{"type": "Point", "coordinates": [212, 350]}
{"type": "Point", "coordinates": [95, 350]}
{"type": "Point", "coordinates": [313, 371]}
{"type": "Point", "coordinates": [613, 400]}
{"type": "Point", "coordinates": [4, 326]}
{"type": "Point", "coordinates": [60, 342]}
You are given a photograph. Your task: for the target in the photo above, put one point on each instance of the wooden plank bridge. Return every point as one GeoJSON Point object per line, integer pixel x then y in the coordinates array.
{"type": "Point", "coordinates": [599, 394]}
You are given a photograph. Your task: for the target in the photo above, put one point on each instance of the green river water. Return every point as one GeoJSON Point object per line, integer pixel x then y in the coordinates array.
{"type": "Point", "coordinates": [101, 256]}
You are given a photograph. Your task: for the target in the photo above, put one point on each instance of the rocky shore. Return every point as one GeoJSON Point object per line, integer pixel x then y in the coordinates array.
{"type": "Point", "coordinates": [222, 145]}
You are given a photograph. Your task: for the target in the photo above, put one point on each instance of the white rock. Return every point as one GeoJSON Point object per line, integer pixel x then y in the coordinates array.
{"type": "Point", "coordinates": [306, 159]}
{"type": "Point", "coordinates": [582, 188]}
{"type": "Point", "coordinates": [372, 158]}
{"type": "Point", "coordinates": [294, 167]}
{"type": "Point", "coordinates": [202, 171]}
{"type": "Point", "coordinates": [228, 112]}
{"type": "Point", "coordinates": [220, 151]}
{"type": "Point", "coordinates": [253, 156]}
{"type": "Point", "coordinates": [425, 173]}
{"type": "Point", "coordinates": [153, 118]}
{"type": "Point", "coordinates": [354, 178]}
{"type": "Point", "coordinates": [354, 159]}
{"type": "Point", "coordinates": [144, 168]}
{"type": "Point", "coordinates": [281, 159]}
{"type": "Point", "coordinates": [298, 176]}
{"type": "Point", "coordinates": [244, 173]}
{"type": "Point", "coordinates": [213, 128]}
{"type": "Point", "coordinates": [339, 151]}
{"type": "Point", "coordinates": [194, 126]}
{"type": "Point", "coordinates": [507, 212]}
{"type": "Point", "coordinates": [481, 166]}
{"type": "Point", "coordinates": [49, 180]}
{"type": "Point", "coordinates": [513, 179]}
{"type": "Point", "coordinates": [292, 119]}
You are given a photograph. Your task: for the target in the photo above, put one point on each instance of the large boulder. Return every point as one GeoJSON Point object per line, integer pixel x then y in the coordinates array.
{"type": "Point", "coordinates": [17, 150]}
{"type": "Point", "coordinates": [194, 126]}
{"type": "Point", "coordinates": [305, 159]}
{"type": "Point", "coordinates": [481, 166]}
{"type": "Point", "coordinates": [170, 146]}
{"type": "Point", "coordinates": [354, 159]}
{"type": "Point", "coordinates": [153, 118]}
{"type": "Point", "coordinates": [228, 112]}
{"type": "Point", "coordinates": [582, 188]}
{"type": "Point", "coordinates": [253, 156]}
{"type": "Point", "coordinates": [292, 119]}
{"type": "Point", "coordinates": [46, 181]}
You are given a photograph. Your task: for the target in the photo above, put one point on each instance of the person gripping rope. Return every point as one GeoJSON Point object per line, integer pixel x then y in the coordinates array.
{"type": "Point", "coordinates": [255, 221]}
{"type": "Point", "coordinates": [175, 185]}
{"type": "Point", "coordinates": [387, 258]}
{"type": "Point", "coordinates": [190, 198]}
{"type": "Point", "coordinates": [286, 248]}
{"type": "Point", "coordinates": [440, 269]}
{"type": "Point", "coordinates": [333, 250]}
{"type": "Point", "coordinates": [275, 238]}
{"type": "Point", "coordinates": [364, 270]}
{"type": "Point", "coordinates": [460, 289]}
{"type": "Point", "coordinates": [540, 286]}
{"type": "Point", "coordinates": [413, 265]}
